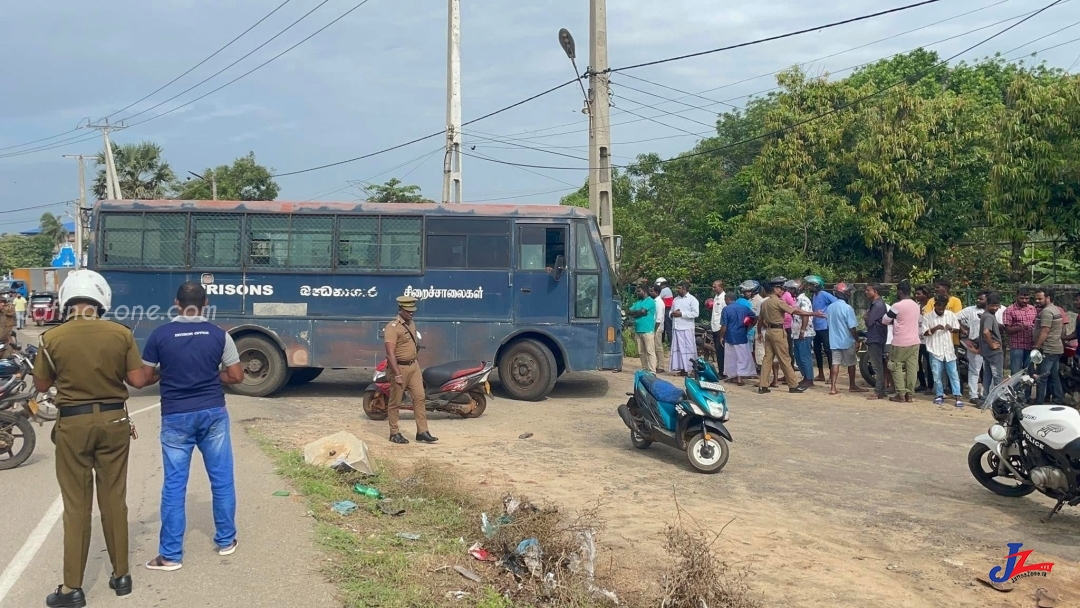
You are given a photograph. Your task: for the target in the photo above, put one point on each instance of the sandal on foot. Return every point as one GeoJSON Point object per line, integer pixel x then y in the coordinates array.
{"type": "Point", "coordinates": [160, 563]}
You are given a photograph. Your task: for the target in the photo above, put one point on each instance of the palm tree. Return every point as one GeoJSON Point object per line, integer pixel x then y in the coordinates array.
{"type": "Point", "coordinates": [141, 170]}
{"type": "Point", "coordinates": [53, 229]}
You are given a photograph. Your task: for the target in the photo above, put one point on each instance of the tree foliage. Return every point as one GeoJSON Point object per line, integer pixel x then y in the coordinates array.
{"type": "Point", "coordinates": [52, 229]}
{"type": "Point", "coordinates": [18, 251]}
{"type": "Point", "coordinates": [141, 171]}
{"type": "Point", "coordinates": [393, 191]}
{"type": "Point", "coordinates": [243, 180]}
{"type": "Point", "coordinates": [840, 178]}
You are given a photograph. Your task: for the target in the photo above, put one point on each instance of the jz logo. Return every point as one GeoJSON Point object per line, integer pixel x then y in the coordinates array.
{"type": "Point", "coordinates": [1016, 566]}
{"type": "Point", "coordinates": [1050, 428]}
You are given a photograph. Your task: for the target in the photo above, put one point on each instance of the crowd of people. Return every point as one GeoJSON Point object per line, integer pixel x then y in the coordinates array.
{"type": "Point", "coordinates": [914, 345]}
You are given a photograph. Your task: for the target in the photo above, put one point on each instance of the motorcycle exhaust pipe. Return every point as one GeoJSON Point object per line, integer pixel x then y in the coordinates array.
{"type": "Point", "coordinates": [624, 413]}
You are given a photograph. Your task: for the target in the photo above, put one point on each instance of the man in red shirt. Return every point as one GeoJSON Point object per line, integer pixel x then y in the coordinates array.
{"type": "Point", "coordinates": [1020, 325]}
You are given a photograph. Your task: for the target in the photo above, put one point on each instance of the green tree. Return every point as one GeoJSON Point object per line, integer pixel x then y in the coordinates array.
{"type": "Point", "coordinates": [52, 229]}
{"type": "Point", "coordinates": [243, 180]}
{"type": "Point", "coordinates": [141, 170]}
{"type": "Point", "coordinates": [394, 192]}
{"type": "Point", "coordinates": [18, 251]}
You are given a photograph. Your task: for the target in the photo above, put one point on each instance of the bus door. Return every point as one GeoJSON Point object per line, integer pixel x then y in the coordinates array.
{"type": "Point", "coordinates": [541, 279]}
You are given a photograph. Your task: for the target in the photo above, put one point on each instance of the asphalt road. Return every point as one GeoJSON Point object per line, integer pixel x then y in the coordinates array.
{"type": "Point", "coordinates": [275, 565]}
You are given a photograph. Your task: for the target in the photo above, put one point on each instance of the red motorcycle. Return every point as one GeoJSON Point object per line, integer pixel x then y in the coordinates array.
{"type": "Point", "coordinates": [460, 387]}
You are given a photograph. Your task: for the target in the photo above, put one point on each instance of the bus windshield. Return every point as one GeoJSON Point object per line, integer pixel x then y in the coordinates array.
{"type": "Point", "coordinates": [306, 286]}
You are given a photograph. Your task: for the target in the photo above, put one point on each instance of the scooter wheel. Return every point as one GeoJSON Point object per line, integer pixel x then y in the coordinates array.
{"type": "Point", "coordinates": [375, 405]}
{"type": "Point", "coordinates": [639, 442]}
{"type": "Point", "coordinates": [708, 455]}
{"type": "Point", "coordinates": [15, 429]}
{"type": "Point", "coordinates": [480, 404]}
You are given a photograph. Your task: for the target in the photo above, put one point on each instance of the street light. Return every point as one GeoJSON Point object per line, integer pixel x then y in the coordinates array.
{"type": "Point", "coordinates": [566, 40]}
{"type": "Point", "coordinates": [212, 180]}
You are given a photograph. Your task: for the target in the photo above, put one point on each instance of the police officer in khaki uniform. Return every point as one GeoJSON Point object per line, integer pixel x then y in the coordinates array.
{"type": "Point", "coordinates": [770, 330]}
{"type": "Point", "coordinates": [88, 359]}
{"type": "Point", "coordinates": [401, 342]}
{"type": "Point", "coordinates": [7, 324]}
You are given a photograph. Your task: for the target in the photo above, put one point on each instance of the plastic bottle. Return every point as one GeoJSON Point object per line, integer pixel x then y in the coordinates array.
{"type": "Point", "coordinates": [368, 491]}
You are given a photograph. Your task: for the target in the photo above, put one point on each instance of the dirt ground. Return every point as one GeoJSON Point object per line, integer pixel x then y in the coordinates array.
{"type": "Point", "coordinates": [835, 501]}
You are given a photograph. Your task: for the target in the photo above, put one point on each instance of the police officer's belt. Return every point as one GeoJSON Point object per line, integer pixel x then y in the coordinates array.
{"type": "Point", "coordinates": [78, 410]}
{"type": "Point", "coordinates": [409, 362]}
{"type": "Point", "coordinates": [776, 326]}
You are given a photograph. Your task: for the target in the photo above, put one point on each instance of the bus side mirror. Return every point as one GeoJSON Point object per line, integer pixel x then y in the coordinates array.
{"type": "Point", "coordinates": [618, 247]}
{"type": "Point", "coordinates": [560, 267]}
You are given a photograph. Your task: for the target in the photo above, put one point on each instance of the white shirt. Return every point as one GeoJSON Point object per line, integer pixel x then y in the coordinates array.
{"type": "Point", "coordinates": [888, 332]}
{"type": "Point", "coordinates": [659, 309]}
{"type": "Point", "coordinates": [806, 304]}
{"type": "Point", "coordinates": [688, 304]}
{"type": "Point", "coordinates": [755, 304]}
{"type": "Point", "coordinates": [970, 316]}
{"type": "Point", "coordinates": [940, 343]}
{"type": "Point", "coordinates": [718, 303]}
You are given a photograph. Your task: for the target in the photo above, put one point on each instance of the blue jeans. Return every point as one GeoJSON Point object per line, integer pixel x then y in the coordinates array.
{"type": "Point", "coordinates": [180, 434]}
{"type": "Point", "coordinates": [804, 357]}
{"type": "Point", "coordinates": [1050, 373]}
{"type": "Point", "coordinates": [954, 377]}
{"type": "Point", "coordinates": [1019, 358]}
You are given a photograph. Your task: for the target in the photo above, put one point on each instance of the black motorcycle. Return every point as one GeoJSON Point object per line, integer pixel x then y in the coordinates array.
{"type": "Point", "coordinates": [21, 403]}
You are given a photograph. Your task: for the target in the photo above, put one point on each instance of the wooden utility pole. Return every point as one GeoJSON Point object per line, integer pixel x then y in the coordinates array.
{"type": "Point", "coordinates": [600, 126]}
{"type": "Point", "coordinates": [452, 160]}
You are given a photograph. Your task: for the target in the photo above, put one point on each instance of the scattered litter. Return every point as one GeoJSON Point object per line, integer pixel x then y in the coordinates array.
{"type": "Point", "coordinates": [469, 574]}
{"type": "Point", "coordinates": [408, 536]}
{"type": "Point", "coordinates": [489, 528]}
{"type": "Point", "coordinates": [457, 595]}
{"type": "Point", "coordinates": [511, 504]}
{"type": "Point", "coordinates": [388, 508]}
{"type": "Point", "coordinates": [892, 567]}
{"type": "Point", "coordinates": [1003, 587]}
{"type": "Point", "coordinates": [1045, 598]}
{"type": "Point", "coordinates": [342, 452]}
{"type": "Point", "coordinates": [525, 435]}
{"type": "Point", "coordinates": [952, 562]}
{"type": "Point", "coordinates": [344, 507]}
{"type": "Point", "coordinates": [529, 551]}
{"type": "Point", "coordinates": [368, 491]}
{"type": "Point", "coordinates": [282, 493]}
{"type": "Point", "coordinates": [479, 553]}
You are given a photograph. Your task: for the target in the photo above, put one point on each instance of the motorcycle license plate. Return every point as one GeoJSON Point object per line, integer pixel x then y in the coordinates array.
{"type": "Point", "coordinates": [33, 407]}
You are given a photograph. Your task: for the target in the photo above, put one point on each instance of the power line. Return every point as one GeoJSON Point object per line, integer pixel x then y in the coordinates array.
{"type": "Point", "coordinates": [1041, 38]}
{"type": "Point", "coordinates": [68, 202]}
{"type": "Point", "coordinates": [773, 38]}
{"type": "Point", "coordinates": [1050, 48]}
{"type": "Point", "coordinates": [60, 144]}
{"type": "Point", "coordinates": [248, 54]}
{"type": "Point", "coordinates": [211, 56]}
{"type": "Point", "coordinates": [506, 198]}
{"type": "Point", "coordinates": [431, 135]}
{"type": "Point", "coordinates": [45, 138]}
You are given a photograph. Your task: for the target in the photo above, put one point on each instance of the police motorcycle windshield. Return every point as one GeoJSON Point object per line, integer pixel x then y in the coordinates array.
{"type": "Point", "coordinates": [1004, 388]}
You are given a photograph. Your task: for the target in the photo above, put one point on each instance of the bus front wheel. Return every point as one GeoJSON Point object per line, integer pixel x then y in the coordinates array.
{"type": "Point", "coordinates": [265, 370]}
{"type": "Point", "coordinates": [527, 370]}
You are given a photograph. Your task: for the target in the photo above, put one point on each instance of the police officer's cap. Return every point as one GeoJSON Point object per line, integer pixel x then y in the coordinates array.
{"type": "Point", "coordinates": [407, 303]}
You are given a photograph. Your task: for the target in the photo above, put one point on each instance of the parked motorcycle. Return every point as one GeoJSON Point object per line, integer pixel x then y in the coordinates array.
{"type": "Point", "coordinates": [20, 403]}
{"type": "Point", "coordinates": [869, 374]}
{"type": "Point", "coordinates": [1031, 447]}
{"type": "Point", "coordinates": [691, 420]}
{"type": "Point", "coordinates": [460, 387]}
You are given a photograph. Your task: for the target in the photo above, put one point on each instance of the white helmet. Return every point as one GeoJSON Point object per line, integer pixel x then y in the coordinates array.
{"type": "Point", "coordinates": [85, 285]}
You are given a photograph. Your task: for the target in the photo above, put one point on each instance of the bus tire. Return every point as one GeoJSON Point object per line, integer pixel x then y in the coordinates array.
{"type": "Point", "coordinates": [527, 370]}
{"type": "Point", "coordinates": [265, 370]}
{"type": "Point", "coordinates": [303, 375]}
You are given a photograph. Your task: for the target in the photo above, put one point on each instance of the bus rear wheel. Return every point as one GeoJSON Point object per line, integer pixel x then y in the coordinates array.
{"type": "Point", "coordinates": [264, 367]}
{"type": "Point", "coordinates": [303, 375]}
{"type": "Point", "coordinates": [527, 370]}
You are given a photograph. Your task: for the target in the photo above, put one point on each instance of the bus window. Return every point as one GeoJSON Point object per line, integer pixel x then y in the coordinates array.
{"type": "Point", "coordinates": [468, 243]}
{"type": "Point", "coordinates": [121, 235]}
{"type": "Point", "coordinates": [310, 239]}
{"type": "Point", "coordinates": [153, 240]}
{"type": "Point", "coordinates": [587, 296]}
{"type": "Point", "coordinates": [586, 256]}
{"type": "Point", "coordinates": [217, 241]}
{"type": "Point", "coordinates": [358, 243]}
{"type": "Point", "coordinates": [400, 244]}
{"type": "Point", "coordinates": [539, 247]}
{"type": "Point", "coordinates": [268, 241]}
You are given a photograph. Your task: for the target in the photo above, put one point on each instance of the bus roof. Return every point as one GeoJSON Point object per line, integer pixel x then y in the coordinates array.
{"type": "Point", "coordinates": [484, 210]}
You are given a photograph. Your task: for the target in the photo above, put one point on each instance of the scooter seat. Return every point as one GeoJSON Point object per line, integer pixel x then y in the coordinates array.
{"type": "Point", "coordinates": [439, 375]}
{"type": "Point", "coordinates": [662, 390]}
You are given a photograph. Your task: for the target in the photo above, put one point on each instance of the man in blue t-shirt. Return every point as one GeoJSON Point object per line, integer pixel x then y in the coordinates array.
{"type": "Point", "coordinates": [820, 300]}
{"type": "Point", "coordinates": [193, 358]}
{"type": "Point", "coordinates": [644, 314]}
{"type": "Point", "coordinates": [843, 337]}
{"type": "Point", "coordinates": [738, 352]}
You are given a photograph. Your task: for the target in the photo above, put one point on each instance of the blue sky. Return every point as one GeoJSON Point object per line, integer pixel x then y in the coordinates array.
{"type": "Point", "coordinates": [377, 78]}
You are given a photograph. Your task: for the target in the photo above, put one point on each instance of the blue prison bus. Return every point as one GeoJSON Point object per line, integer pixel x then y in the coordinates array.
{"type": "Point", "coordinates": [307, 286]}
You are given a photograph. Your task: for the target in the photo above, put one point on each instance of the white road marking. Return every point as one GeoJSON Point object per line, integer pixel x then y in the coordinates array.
{"type": "Point", "coordinates": [38, 537]}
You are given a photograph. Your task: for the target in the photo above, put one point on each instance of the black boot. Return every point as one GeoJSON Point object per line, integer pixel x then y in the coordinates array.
{"type": "Point", "coordinates": [73, 599]}
{"type": "Point", "coordinates": [426, 437]}
{"type": "Point", "coordinates": [398, 438]}
{"type": "Point", "coordinates": [121, 585]}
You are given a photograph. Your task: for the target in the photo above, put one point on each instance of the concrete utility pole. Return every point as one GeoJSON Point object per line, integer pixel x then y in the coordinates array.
{"type": "Point", "coordinates": [79, 223]}
{"type": "Point", "coordinates": [452, 160]}
{"type": "Point", "coordinates": [112, 182]}
{"type": "Point", "coordinates": [600, 127]}
{"type": "Point", "coordinates": [213, 181]}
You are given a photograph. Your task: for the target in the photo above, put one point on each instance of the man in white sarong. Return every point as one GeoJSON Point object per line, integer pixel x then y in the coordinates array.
{"type": "Point", "coordinates": [684, 311]}
{"type": "Point", "coordinates": [738, 353]}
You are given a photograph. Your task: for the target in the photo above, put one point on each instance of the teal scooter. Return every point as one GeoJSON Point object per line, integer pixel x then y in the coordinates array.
{"type": "Point", "coordinates": [691, 420]}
